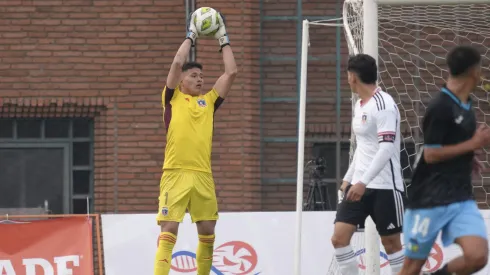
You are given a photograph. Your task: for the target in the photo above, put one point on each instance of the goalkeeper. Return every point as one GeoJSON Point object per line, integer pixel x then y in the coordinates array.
{"type": "Point", "coordinates": [187, 181]}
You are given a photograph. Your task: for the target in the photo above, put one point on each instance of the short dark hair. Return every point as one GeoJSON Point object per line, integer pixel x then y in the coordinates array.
{"type": "Point", "coordinates": [461, 59]}
{"type": "Point", "coordinates": [364, 66]}
{"type": "Point", "coordinates": [191, 65]}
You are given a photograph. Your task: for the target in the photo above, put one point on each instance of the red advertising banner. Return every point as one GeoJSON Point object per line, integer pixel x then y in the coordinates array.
{"type": "Point", "coordinates": [49, 247]}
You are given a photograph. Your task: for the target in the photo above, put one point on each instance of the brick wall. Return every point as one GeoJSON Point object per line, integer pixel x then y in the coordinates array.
{"type": "Point", "coordinates": [113, 56]}
{"type": "Point", "coordinates": [117, 54]}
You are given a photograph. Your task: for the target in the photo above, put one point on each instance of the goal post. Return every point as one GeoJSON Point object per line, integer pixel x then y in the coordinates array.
{"type": "Point", "coordinates": [410, 40]}
{"type": "Point", "coordinates": [370, 46]}
{"type": "Point", "coordinates": [301, 147]}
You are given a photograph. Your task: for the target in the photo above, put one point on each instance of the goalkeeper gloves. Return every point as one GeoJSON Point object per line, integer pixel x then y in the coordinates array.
{"type": "Point", "coordinates": [192, 30]}
{"type": "Point", "coordinates": [221, 34]}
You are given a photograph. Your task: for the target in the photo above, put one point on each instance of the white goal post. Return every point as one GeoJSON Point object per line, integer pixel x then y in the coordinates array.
{"type": "Point", "coordinates": [409, 39]}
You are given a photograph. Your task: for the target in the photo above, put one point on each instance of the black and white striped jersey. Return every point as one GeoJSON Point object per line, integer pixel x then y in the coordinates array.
{"type": "Point", "coordinates": [374, 122]}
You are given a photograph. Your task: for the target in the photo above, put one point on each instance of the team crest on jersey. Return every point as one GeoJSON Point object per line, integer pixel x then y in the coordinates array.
{"type": "Point", "coordinates": [201, 103]}
{"type": "Point", "coordinates": [165, 211]}
{"type": "Point", "coordinates": [364, 118]}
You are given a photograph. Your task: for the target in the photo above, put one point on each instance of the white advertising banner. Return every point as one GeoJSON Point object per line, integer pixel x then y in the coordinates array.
{"type": "Point", "coordinates": [246, 244]}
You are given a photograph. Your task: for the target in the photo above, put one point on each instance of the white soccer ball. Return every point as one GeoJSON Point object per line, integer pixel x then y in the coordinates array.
{"type": "Point", "coordinates": [206, 21]}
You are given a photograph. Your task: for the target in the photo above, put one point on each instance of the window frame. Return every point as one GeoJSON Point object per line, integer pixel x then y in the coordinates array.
{"type": "Point", "coordinates": [60, 142]}
{"type": "Point", "coordinates": [66, 158]}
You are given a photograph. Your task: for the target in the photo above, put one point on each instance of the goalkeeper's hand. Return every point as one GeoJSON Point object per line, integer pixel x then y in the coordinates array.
{"type": "Point", "coordinates": [192, 30]}
{"type": "Point", "coordinates": [221, 34]}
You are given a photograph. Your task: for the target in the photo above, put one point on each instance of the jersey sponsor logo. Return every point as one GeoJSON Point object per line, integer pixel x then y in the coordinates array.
{"type": "Point", "coordinates": [201, 103]}
{"type": "Point", "coordinates": [235, 257]}
{"type": "Point", "coordinates": [459, 119]}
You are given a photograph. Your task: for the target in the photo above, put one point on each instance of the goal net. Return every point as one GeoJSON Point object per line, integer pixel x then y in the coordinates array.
{"type": "Point", "coordinates": [411, 39]}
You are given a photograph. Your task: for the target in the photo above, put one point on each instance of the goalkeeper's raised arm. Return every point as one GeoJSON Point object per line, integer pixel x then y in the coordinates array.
{"type": "Point", "coordinates": [174, 75]}
{"type": "Point", "coordinates": [223, 84]}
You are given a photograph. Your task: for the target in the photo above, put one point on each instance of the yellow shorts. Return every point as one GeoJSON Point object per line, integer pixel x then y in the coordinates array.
{"type": "Point", "coordinates": [182, 190]}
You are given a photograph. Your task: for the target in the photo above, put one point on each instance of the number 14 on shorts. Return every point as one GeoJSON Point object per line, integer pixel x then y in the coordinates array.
{"type": "Point", "coordinates": [417, 232]}
{"type": "Point", "coordinates": [420, 226]}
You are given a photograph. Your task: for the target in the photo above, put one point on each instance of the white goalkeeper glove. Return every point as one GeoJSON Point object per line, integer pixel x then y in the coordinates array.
{"type": "Point", "coordinates": [221, 34]}
{"type": "Point", "coordinates": [192, 30]}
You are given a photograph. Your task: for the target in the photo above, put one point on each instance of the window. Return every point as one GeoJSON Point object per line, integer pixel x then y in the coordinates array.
{"type": "Point", "coordinates": [47, 163]}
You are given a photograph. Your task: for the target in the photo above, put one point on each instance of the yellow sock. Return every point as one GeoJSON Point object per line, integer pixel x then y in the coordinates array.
{"type": "Point", "coordinates": [163, 259]}
{"type": "Point", "coordinates": [204, 255]}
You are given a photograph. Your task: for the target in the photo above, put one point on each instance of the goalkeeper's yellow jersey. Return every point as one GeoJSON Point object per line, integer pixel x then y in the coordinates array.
{"type": "Point", "coordinates": [189, 121]}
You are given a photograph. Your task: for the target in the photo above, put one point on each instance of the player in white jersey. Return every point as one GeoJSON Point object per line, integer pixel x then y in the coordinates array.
{"type": "Point", "coordinates": [373, 185]}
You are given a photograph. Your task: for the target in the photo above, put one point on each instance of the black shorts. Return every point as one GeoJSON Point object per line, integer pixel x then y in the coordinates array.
{"type": "Point", "coordinates": [386, 208]}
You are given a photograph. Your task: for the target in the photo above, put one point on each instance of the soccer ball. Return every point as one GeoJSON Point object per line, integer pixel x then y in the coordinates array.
{"type": "Point", "coordinates": [206, 21]}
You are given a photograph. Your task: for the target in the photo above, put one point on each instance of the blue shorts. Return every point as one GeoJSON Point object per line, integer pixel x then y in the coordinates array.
{"type": "Point", "coordinates": [421, 226]}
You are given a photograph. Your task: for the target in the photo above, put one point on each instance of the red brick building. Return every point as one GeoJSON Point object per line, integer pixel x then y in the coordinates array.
{"type": "Point", "coordinates": [84, 78]}
{"type": "Point", "coordinates": [107, 61]}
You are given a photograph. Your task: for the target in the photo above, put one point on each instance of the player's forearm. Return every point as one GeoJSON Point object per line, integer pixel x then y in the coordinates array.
{"type": "Point", "coordinates": [183, 53]}
{"type": "Point", "coordinates": [380, 160]}
{"type": "Point", "coordinates": [436, 153]}
{"type": "Point", "coordinates": [350, 172]}
{"type": "Point", "coordinates": [229, 61]}
{"type": "Point", "coordinates": [180, 58]}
